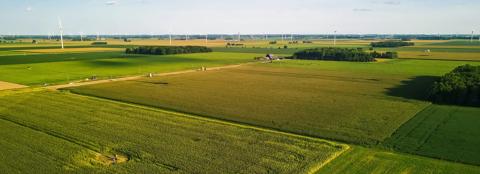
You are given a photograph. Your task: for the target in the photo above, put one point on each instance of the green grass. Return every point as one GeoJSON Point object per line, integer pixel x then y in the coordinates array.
{"type": "Point", "coordinates": [362, 160]}
{"type": "Point", "coordinates": [61, 68]}
{"type": "Point", "coordinates": [53, 132]}
{"type": "Point", "coordinates": [444, 132]}
{"type": "Point", "coordinates": [335, 100]}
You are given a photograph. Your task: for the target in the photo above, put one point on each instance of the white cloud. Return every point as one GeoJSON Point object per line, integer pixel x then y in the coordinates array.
{"type": "Point", "coordinates": [362, 10]}
{"type": "Point", "coordinates": [111, 3]}
{"type": "Point", "coordinates": [28, 9]}
{"type": "Point", "coordinates": [392, 2]}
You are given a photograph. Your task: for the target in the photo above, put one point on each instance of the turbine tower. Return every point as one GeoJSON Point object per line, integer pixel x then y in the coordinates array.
{"type": "Point", "coordinates": [335, 38]}
{"type": "Point", "coordinates": [61, 31]}
{"type": "Point", "coordinates": [471, 38]}
{"type": "Point", "coordinates": [81, 36]}
{"type": "Point", "coordinates": [206, 39]}
{"type": "Point", "coordinates": [170, 37]}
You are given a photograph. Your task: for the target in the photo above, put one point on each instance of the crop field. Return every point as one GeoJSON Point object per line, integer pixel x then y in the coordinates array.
{"type": "Point", "coordinates": [363, 160]}
{"type": "Point", "coordinates": [289, 116]}
{"type": "Point", "coordinates": [70, 133]}
{"type": "Point", "coordinates": [346, 104]}
{"type": "Point", "coordinates": [444, 132]}
{"type": "Point", "coordinates": [63, 68]}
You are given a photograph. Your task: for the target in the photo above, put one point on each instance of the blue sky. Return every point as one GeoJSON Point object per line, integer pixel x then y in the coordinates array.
{"type": "Point", "coordinates": [245, 16]}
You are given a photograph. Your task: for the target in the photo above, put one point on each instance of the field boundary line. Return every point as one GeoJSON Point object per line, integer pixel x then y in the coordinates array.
{"type": "Point", "coordinates": [317, 167]}
{"type": "Point", "coordinates": [411, 118]}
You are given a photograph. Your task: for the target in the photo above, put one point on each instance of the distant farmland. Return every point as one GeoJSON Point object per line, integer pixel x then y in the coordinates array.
{"type": "Point", "coordinates": [68, 67]}
{"type": "Point", "coordinates": [56, 132]}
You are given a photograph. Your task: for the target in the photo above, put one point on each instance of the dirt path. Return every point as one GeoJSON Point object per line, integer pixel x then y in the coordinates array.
{"type": "Point", "coordinates": [7, 85]}
{"type": "Point", "coordinates": [83, 83]}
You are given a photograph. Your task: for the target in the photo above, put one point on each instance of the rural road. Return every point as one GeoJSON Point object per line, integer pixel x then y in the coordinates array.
{"type": "Point", "coordinates": [83, 83]}
{"type": "Point", "coordinates": [7, 86]}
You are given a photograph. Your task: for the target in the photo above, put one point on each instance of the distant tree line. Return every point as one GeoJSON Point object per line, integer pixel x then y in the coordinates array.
{"type": "Point", "coordinates": [99, 43]}
{"type": "Point", "coordinates": [338, 54]}
{"type": "Point", "coordinates": [342, 54]}
{"type": "Point", "coordinates": [461, 87]}
{"type": "Point", "coordinates": [235, 44]}
{"type": "Point", "coordinates": [167, 50]}
{"type": "Point", "coordinates": [390, 44]}
{"type": "Point", "coordinates": [83, 39]}
{"type": "Point", "coordinates": [438, 38]}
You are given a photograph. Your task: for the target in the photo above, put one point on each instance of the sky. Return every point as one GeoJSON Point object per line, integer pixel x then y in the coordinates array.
{"type": "Point", "coordinates": [244, 16]}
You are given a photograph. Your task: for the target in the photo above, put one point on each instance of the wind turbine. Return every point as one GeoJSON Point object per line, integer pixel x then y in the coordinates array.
{"type": "Point", "coordinates": [81, 36]}
{"type": "Point", "coordinates": [61, 31]}
{"type": "Point", "coordinates": [170, 37]}
{"type": "Point", "coordinates": [206, 39]}
{"type": "Point", "coordinates": [335, 38]}
{"type": "Point", "coordinates": [471, 38]}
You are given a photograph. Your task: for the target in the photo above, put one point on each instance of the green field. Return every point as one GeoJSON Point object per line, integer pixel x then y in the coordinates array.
{"type": "Point", "coordinates": [363, 160]}
{"type": "Point", "coordinates": [55, 132]}
{"type": "Point", "coordinates": [444, 132]}
{"type": "Point", "coordinates": [336, 100]}
{"type": "Point", "coordinates": [64, 68]}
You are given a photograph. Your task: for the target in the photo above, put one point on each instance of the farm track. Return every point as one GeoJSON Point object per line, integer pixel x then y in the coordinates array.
{"type": "Point", "coordinates": [7, 86]}
{"type": "Point", "coordinates": [83, 83]}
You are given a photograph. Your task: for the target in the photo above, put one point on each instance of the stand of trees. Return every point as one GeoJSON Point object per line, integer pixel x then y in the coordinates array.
{"type": "Point", "coordinates": [338, 54]}
{"type": "Point", "coordinates": [391, 44]}
{"type": "Point", "coordinates": [461, 87]}
{"type": "Point", "coordinates": [167, 50]}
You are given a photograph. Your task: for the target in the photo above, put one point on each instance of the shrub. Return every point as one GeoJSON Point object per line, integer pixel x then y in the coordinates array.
{"type": "Point", "coordinates": [461, 87]}
{"type": "Point", "coordinates": [386, 55]}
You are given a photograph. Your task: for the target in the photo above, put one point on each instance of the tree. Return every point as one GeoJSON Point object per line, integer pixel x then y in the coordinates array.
{"type": "Point", "coordinates": [461, 86]}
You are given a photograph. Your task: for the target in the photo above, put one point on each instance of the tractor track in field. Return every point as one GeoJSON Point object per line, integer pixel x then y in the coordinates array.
{"type": "Point", "coordinates": [83, 83]}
